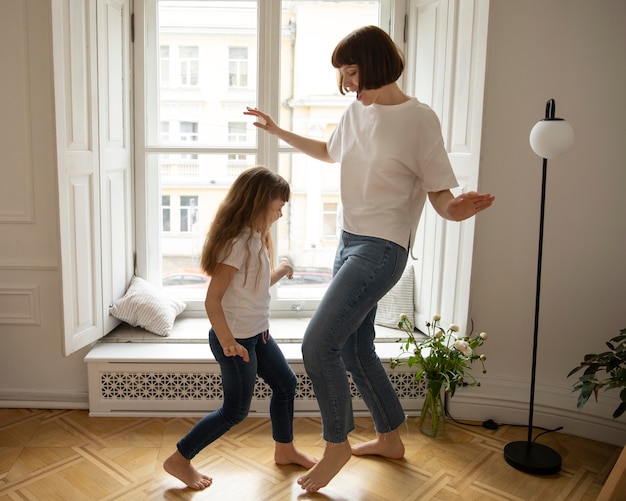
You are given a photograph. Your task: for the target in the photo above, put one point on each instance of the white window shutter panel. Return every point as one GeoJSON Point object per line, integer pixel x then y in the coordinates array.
{"type": "Point", "coordinates": [88, 252]}
{"type": "Point", "coordinates": [114, 131]}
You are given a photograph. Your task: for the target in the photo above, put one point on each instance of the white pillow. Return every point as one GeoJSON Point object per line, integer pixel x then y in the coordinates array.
{"type": "Point", "coordinates": [397, 301]}
{"type": "Point", "coordinates": [148, 307]}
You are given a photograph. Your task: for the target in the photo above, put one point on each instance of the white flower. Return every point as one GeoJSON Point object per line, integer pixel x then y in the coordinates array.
{"type": "Point", "coordinates": [404, 316]}
{"type": "Point", "coordinates": [454, 327]}
{"type": "Point", "coordinates": [438, 334]}
{"type": "Point", "coordinates": [483, 357]}
{"type": "Point", "coordinates": [436, 317]}
{"type": "Point", "coordinates": [463, 347]}
{"type": "Point", "coordinates": [483, 335]}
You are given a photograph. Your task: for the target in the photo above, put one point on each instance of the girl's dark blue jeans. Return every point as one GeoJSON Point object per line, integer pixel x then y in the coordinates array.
{"type": "Point", "coordinates": [238, 380]}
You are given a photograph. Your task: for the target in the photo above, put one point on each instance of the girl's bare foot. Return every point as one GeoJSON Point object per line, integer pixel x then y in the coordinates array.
{"type": "Point", "coordinates": [334, 458]}
{"type": "Point", "coordinates": [288, 454]}
{"type": "Point", "coordinates": [179, 467]}
{"type": "Point", "coordinates": [387, 445]}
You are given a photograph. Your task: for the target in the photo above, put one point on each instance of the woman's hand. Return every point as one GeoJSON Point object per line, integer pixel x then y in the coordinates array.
{"type": "Point", "coordinates": [264, 121]}
{"type": "Point", "coordinates": [312, 147]}
{"type": "Point", "coordinates": [467, 205]}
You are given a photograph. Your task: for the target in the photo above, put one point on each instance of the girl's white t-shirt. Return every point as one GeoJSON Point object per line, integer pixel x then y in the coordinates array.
{"type": "Point", "coordinates": [391, 157]}
{"type": "Point", "coordinates": [246, 302]}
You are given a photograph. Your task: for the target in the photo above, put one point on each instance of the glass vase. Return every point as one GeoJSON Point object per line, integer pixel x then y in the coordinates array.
{"type": "Point", "coordinates": [433, 418]}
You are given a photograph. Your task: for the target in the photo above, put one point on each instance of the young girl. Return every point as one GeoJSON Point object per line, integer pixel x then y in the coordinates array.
{"type": "Point", "coordinates": [392, 158]}
{"type": "Point", "coordinates": [237, 254]}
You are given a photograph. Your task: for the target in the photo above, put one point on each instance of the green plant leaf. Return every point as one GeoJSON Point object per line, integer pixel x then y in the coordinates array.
{"type": "Point", "coordinates": [620, 410]}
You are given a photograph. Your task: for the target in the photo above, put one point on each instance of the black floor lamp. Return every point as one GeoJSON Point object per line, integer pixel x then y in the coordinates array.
{"type": "Point", "coordinates": [549, 138]}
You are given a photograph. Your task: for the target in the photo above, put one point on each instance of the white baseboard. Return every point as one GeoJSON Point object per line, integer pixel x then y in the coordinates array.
{"type": "Point", "coordinates": [43, 400]}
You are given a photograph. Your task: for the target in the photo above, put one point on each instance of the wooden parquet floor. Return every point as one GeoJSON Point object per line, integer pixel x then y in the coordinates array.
{"type": "Point", "coordinates": [67, 455]}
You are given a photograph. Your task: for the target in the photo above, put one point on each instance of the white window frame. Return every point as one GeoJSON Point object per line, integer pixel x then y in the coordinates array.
{"type": "Point", "coordinates": [267, 149]}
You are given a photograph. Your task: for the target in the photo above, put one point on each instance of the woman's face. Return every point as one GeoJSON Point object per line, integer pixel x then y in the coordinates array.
{"type": "Point", "coordinates": [350, 75]}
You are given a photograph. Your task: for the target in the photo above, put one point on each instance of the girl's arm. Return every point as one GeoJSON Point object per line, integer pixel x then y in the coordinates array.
{"type": "Point", "coordinates": [312, 147]}
{"type": "Point", "coordinates": [462, 207]}
{"type": "Point", "coordinates": [220, 280]}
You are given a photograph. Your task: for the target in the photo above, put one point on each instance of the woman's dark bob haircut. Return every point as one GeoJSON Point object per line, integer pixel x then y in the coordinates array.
{"type": "Point", "coordinates": [378, 58]}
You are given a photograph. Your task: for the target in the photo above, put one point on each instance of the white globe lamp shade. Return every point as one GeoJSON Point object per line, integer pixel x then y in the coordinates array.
{"type": "Point", "coordinates": [551, 137]}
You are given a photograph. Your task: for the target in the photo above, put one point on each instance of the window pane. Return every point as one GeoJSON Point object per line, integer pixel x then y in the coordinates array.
{"type": "Point", "coordinates": [208, 54]}
{"type": "Point", "coordinates": [191, 191]}
{"type": "Point", "coordinates": [312, 106]}
{"type": "Point", "coordinates": [204, 39]}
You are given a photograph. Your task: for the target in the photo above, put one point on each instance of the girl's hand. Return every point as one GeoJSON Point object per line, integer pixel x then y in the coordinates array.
{"type": "Point", "coordinates": [282, 270]}
{"type": "Point", "coordinates": [236, 350]}
{"type": "Point", "coordinates": [264, 121]}
{"type": "Point", "coordinates": [285, 269]}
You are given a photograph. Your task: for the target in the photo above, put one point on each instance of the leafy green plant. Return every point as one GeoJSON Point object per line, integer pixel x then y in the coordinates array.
{"type": "Point", "coordinates": [605, 370]}
{"type": "Point", "coordinates": [443, 355]}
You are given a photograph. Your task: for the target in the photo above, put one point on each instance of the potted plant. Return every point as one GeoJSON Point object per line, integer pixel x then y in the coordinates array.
{"type": "Point", "coordinates": [603, 370]}
{"type": "Point", "coordinates": [442, 358]}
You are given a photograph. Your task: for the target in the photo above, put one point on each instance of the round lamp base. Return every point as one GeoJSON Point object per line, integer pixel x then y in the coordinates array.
{"type": "Point", "coordinates": [531, 457]}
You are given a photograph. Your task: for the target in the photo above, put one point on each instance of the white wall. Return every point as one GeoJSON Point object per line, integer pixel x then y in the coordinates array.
{"type": "Point", "coordinates": [31, 364]}
{"type": "Point", "coordinates": [572, 51]}
{"type": "Point", "coordinates": [569, 50]}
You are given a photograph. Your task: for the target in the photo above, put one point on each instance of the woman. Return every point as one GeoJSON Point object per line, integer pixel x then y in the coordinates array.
{"type": "Point", "coordinates": [392, 158]}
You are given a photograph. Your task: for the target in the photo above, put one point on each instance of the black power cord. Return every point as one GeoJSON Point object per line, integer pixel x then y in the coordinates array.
{"type": "Point", "coordinates": [490, 424]}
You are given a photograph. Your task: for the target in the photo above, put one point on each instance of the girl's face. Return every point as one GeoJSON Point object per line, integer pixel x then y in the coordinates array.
{"type": "Point", "coordinates": [274, 213]}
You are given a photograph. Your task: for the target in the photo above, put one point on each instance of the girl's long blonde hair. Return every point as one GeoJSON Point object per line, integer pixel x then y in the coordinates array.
{"type": "Point", "coordinates": [246, 204]}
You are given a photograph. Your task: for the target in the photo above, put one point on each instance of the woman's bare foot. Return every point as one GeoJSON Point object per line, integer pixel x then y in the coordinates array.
{"type": "Point", "coordinates": [288, 454]}
{"type": "Point", "coordinates": [334, 458]}
{"type": "Point", "coordinates": [179, 467]}
{"type": "Point", "coordinates": [387, 445]}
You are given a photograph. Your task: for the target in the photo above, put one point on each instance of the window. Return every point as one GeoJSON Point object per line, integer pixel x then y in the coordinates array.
{"type": "Point", "coordinates": [237, 132]}
{"type": "Point", "coordinates": [188, 57]}
{"type": "Point", "coordinates": [188, 133]}
{"type": "Point", "coordinates": [102, 247]}
{"type": "Point", "coordinates": [165, 214]}
{"type": "Point", "coordinates": [217, 42]}
{"type": "Point", "coordinates": [164, 65]}
{"type": "Point", "coordinates": [329, 220]}
{"type": "Point", "coordinates": [188, 213]}
{"type": "Point", "coordinates": [238, 66]}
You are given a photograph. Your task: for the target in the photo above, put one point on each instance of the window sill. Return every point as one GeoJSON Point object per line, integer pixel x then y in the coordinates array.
{"type": "Point", "coordinates": [195, 330]}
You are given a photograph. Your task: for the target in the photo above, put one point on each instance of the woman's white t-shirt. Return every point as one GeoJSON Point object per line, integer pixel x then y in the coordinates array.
{"type": "Point", "coordinates": [391, 157]}
{"type": "Point", "coordinates": [246, 302]}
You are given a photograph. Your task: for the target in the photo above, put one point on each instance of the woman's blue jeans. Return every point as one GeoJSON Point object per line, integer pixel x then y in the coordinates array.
{"type": "Point", "coordinates": [340, 337]}
{"type": "Point", "coordinates": [238, 380]}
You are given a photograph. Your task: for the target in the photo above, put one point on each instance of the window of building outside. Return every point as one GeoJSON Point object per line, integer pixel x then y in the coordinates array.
{"type": "Point", "coordinates": [204, 69]}
{"type": "Point", "coordinates": [238, 67]}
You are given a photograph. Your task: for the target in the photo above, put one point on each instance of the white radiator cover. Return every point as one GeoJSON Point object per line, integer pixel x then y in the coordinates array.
{"type": "Point", "coordinates": [167, 388]}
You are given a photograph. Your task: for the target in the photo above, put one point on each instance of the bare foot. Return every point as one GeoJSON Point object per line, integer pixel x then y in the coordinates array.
{"type": "Point", "coordinates": [387, 445]}
{"type": "Point", "coordinates": [334, 458]}
{"type": "Point", "coordinates": [179, 467]}
{"type": "Point", "coordinates": [288, 454]}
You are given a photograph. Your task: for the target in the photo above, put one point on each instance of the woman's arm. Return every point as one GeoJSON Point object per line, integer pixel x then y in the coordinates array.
{"type": "Point", "coordinates": [220, 280]}
{"type": "Point", "coordinates": [462, 207]}
{"type": "Point", "coordinates": [312, 147]}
